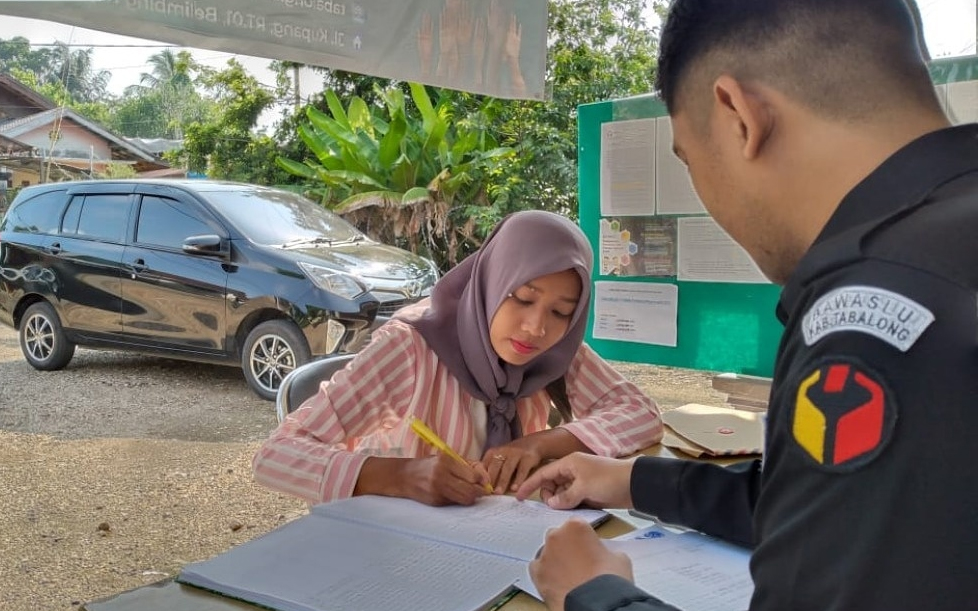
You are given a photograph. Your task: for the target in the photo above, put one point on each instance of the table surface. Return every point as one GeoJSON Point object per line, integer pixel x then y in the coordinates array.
{"type": "Point", "coordinates": [169, 595]}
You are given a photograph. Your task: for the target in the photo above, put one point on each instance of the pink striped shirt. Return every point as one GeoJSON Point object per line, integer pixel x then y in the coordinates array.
{"type": "Point", "coordinates": [317, 452]}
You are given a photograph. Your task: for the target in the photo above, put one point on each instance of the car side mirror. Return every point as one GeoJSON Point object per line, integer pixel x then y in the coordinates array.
{"type": "Point", "coordinates": [210, 245]}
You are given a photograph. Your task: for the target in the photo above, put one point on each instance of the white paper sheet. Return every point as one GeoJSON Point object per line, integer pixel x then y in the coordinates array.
{"type": "Point", "coordinates": [628, 168]}
{"type": "Point", "coordinates": [674, 192]}
{"type": "Point", "coordinates": [497, 524]}
{"type": "Point", "coordinates": [636, 312]}
{"type": "Point", "coordinates": [707, 254]}
{"type": "Point", "coordinates": [690, 570]}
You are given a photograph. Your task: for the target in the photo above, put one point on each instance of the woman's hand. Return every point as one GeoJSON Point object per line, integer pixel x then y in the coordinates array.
{"type": "Point", "coordinates": [512, 463]}
{"type": "Point", "coordinates": [433, 480]}
{"type": "Point", "coordinates": [509, 465]}
{"type": "Point", "coordinates": [440, 480]}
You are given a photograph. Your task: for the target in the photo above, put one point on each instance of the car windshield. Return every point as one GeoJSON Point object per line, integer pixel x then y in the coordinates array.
{"type": "Point", "coordinates": [272, 217]}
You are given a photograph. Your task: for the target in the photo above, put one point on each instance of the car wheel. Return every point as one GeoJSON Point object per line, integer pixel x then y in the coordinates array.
{"type": "Point", "coordinates": [272, 350]}
{"type": "Point", "coordinates": [42, 340]}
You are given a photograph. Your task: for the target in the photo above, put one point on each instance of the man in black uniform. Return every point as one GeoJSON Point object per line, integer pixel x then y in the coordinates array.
{"type": "Point", "coordinates": [813, 135]}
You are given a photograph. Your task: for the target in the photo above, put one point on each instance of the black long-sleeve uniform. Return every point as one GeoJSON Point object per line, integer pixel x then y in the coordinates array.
{"type": "Point", "coordinates": [867, 499]}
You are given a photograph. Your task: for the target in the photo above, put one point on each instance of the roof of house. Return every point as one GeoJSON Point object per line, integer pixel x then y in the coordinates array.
{"type": "Point", "coordinates": [164, 173]}
{"type": "Point", "coordinates": [121, 148]}
{"type": "Point", "coordinates": [156, 145]}
{"type": "Point", "coordinates": [33, 98]}
{"type": "Point", "coordinates": [10, 145]}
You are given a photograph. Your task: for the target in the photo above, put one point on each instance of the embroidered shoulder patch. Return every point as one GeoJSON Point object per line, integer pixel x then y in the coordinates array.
{"type": "Point", "coordinates": [843, 416]}
{"type": "Point", "coordinates": [889, 316]}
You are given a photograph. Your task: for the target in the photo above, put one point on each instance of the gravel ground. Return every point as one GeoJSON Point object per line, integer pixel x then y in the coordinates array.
{"type": "Point", "coordinates": [120, 469]}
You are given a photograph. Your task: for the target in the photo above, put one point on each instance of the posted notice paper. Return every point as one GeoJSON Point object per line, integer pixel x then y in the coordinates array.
{"type": "Point", "coordinates": [706, 253]}
{"type": "Point", "coordinates": [628, 168]}
{"type": "Point", "coordinates": [674, 192]}
{"type": "Point", "coordinates": [642, 312]}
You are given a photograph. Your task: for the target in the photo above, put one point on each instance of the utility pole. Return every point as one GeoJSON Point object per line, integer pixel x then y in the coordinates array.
{"type": "Point", "coordinates": [297, 100]}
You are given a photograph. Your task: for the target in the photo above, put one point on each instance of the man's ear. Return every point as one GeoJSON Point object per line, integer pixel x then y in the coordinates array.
{"type": "Point", "coordinates": [744, 112]}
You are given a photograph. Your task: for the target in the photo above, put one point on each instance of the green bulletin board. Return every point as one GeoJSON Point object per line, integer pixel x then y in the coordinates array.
{"type": "Point", "coordinates": [720, 326]}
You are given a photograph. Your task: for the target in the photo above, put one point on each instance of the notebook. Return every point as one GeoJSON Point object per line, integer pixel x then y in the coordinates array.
{"type": "Point", "coordinates": [371, 552]}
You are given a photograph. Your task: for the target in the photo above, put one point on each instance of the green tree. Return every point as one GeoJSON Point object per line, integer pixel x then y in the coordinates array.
{"type": "Point", "coordinates": [118, 170]}
{"type": "Point", "coordinates": [140, 114]}
{"type": "Point", "coordinates": [67, 77]}
{"type": "Point", "coordinates": [226, 147]}
{"type": "Point", "coordinates": [169, 71]}
{"type": "Point", "coordinates": [165, 101]}
{"type": "Point", "coordinates": [74, 70]}
{"type": "Point", "coordinates": [56, 92]}
{"type": "Point", "coordinates": [17, 54]}
{"type": "Point", "coordinates": [405, 173]}
{"type": "Point", "coordinates": [598, 50]}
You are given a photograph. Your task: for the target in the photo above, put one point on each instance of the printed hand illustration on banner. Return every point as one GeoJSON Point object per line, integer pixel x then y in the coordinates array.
{"type": "Point", "coordinates": [497, 28]}
{"type": "Point", "coordinates": [447, 38]}
{"type": "Point", "coordinates": [479, 50]}
{"type": "Point", "coordinates": [512, 55]}
{"type": "Point", "coordinates": [505, 41]}
{"type": "Point", "coordinates": [472, 48]}
{"type": "Point", "coordinates": [425, 43]}
{"type": "Point", "coordinates": [463, 40]}
{"type": "Point", "coordinates": [454, 38]}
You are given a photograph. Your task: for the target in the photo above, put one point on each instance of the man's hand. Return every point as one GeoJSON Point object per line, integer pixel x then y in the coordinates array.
{"type": "Point", "coordinates": [582, 479]}
{"type": "Point", "coordinates": [572, 555]}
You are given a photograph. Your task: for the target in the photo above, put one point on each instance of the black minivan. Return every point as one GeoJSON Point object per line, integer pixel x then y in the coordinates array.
{"type": "Point", "coordinates": [198, 270]}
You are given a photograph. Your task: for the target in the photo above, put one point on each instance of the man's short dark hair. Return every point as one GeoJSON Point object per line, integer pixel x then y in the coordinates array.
{"type": "Point", "coordinates": [838, 57]}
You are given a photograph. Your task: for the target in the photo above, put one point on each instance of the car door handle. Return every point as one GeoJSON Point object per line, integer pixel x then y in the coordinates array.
{"type": "Point", "coordinates": [55, 248]}
{"type": "Point", "coordinates": [138, 266]}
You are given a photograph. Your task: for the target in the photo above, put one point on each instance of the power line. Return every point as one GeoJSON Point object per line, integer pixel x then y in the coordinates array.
{"type": "Point", "coordinates": [96, 46]}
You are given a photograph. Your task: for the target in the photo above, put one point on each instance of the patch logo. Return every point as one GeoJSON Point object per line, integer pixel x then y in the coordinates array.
{"type": "Point", "coordinates": [893, 318]}
{"type": "Point", "coordinates": [844, 416]}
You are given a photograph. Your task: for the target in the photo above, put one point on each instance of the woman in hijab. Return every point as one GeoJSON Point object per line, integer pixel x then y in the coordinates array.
{"type": "Point", "coordinates": [477, 363]}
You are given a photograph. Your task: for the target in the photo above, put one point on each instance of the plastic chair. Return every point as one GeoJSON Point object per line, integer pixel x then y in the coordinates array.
{"type": "Point", "coordinates": [303, 382]}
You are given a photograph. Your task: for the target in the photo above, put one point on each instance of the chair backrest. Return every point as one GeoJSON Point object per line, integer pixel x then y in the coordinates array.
{"type": "Point", "coordinates": [303, 382]}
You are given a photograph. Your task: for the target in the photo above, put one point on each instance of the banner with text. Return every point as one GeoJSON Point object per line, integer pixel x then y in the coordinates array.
{"type": "Point", "coordinates": [494, 47]}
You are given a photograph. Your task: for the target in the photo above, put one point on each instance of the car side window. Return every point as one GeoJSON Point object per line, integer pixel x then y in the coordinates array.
{"type": "Point", "coordinates": [69, 224]}
{"type": "Point", "coordinates": [39, 214]}
{"type": "Point", "coordinates": [104, 217]}
{"type": "Point", "coordinates": [167, 222]}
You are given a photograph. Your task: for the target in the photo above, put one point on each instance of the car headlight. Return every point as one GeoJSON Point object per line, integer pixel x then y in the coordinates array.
{"type": "Point", "coordinates": [339, 283]}
{"type": "Point", "coordinates": [432, 277]}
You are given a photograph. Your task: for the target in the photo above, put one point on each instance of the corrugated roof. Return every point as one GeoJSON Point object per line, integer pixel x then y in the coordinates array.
{"type": "Point", "coordinates": [17, 127]}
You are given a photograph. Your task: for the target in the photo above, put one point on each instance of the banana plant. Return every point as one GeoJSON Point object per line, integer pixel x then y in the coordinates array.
{"type": "Point", "coordinates": [403, 172]}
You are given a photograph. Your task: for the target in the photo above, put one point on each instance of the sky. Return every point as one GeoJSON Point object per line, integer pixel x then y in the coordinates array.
{"type": "Point", "coordinates": [949, 28]}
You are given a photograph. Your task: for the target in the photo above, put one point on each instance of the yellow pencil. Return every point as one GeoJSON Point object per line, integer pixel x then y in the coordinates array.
{"type": "Point", "coordinates": [429, 436]}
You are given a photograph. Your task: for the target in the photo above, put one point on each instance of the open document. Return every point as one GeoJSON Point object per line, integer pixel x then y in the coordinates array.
{"type": "Point", "coordinates": [371, 552]}
{"type": "Point", "coordinates": [689, 570]}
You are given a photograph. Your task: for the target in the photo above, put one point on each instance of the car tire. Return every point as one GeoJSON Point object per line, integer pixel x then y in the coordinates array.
{"type": "Point", "coordinates": [272, 350]}
{"type": "Point", "coordinates": [43, 340]}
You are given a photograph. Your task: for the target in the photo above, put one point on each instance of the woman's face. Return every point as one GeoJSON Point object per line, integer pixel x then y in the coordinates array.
{"type": "Point", "coordinates": [535, 316]}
